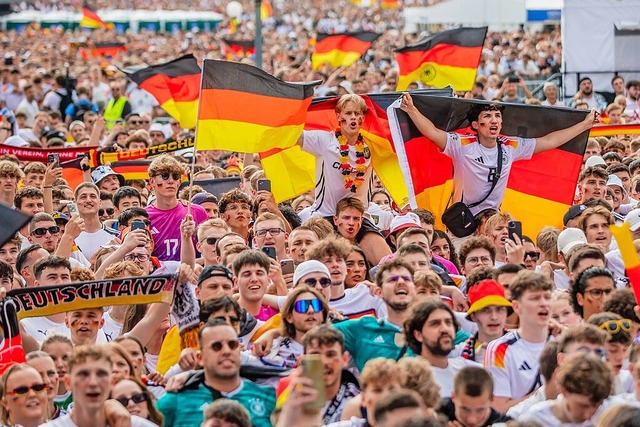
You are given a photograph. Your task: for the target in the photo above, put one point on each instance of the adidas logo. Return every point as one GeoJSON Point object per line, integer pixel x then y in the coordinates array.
{"type": "Point", "coordinates": [379, 339]}
{"type": "Point", "coordinates": [524, 367]}
{"type": "Point", "coordinates": [154, 230]}
{"type": "Point", "coordinates": [479, 160]}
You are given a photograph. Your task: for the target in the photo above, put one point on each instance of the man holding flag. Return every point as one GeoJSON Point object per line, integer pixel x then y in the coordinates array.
{"type": "Point", "coordinates": [343, 169]}
{"type": "Point", "coordinates": [475, 165]}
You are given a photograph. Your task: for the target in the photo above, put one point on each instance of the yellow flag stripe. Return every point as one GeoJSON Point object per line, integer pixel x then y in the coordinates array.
{"type": "Point", "coordinates": [244, 137]}
{"type": "Point", "coordinates": [335, 58]}
{"type": "Point", "coordinates": [439, 76]}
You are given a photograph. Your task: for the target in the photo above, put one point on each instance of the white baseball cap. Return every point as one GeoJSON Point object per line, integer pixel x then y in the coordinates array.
{"type": "Point", "coordinates": [569, 238]}
{"type": "Point", "coordinates": [401, 222]}
{"type": "Point", "coordinates": [310, 266]}
{"type": "Point", "coordinates": [594, 161]}
{"type": "Point", "coordinates": [633, 219]}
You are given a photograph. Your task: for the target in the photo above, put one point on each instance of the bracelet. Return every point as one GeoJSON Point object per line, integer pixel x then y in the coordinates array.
{"type": "Point", "coordinates": [4, 128]}
{"type": "Point", "coordinates": [48, 186]}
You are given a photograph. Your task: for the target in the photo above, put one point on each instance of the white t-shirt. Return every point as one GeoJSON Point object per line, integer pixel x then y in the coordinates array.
{"type": "Point", "coordinates": [514, 365]}
{"type": "Point", "coordinates": [41, 327]}
{"type": "Point", "coordinates": [541, 412]}
{"type": "Point", "coordinates": [111, 328]}
{"type": "Point", "coordinates": [89, 243]}
{"type": "Point", "coordinates": [66, 421]}
{"type": "Point", "coordinates": [444, 377]}
{"type": "Point", "coordinates": [474, 167]}
{"type": "Point", "coordinates": [623, 383]}
{"type": "Point", "coordinates": [560, 279]}
{"type": "Point", "coordinates": [329, 179]}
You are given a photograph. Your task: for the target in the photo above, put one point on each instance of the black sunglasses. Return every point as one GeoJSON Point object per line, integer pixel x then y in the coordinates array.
{"type": "Point", "coordinates": [210, 240]}
{"type": "Point", "coordinates": [40, 232]}
{"type": "Point", "coordinates": [534, 255]}
{"type": "Point", "coordinates": [109, 211]}
{"type": "Point", "coordinates": [21, 391]}
{"type": "Point", "coordinates": [137, 398]}
{"type": "Point", "coordinates": [325, 282]}
{"type": "Point", "coordinates": [217, 345]}
{"type": "Point", "coordinates": [166, 175]}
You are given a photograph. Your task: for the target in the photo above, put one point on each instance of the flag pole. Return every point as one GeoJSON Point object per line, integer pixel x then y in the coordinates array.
{"type": "Point", "coordinates": [258, 35]}
{"type": "Point", "coordinates": [195, 141]}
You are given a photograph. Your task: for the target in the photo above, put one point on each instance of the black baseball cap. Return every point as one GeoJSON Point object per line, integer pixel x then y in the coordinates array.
{"type": "Point", "coordinates": [573, 212]}
{"type": "Point", "coordinates": [218, 270]}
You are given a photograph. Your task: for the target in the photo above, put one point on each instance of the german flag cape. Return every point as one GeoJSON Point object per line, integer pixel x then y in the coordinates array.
{"type": "Point", "coordinates": [239, 48]}
{"type": "Point", "coordinates": [341, 50]}
{"type": "Point", "coordinates": [449, 58]}
{"type": "Point", "coordinates": [539, 191]}
{"type": "Point", "coordinates": [292, 171]}
{"type": "Point", "coordinates": [176, 86]}
{"type": "Point", "coordinates": [247, 110]}
{"type": "Point", "coordinates": [90, 18]}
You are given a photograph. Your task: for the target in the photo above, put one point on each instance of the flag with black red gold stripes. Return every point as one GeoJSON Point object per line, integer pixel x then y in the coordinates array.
{"type": "Point", "coordinates": [448, 58]}
{"type": "Point", "coordinates": [341, 50]}
{"type": "Point", "coordinates": [539, 190]}
{"type": "Point", "coordinates": [247, 110]}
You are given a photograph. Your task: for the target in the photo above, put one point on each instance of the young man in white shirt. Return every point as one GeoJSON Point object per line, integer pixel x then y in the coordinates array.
{"type": "Point", "coordinates": [513, 359]}
{"type": "Point", "coordinates": [430, 328]}
{"type": "Point", "coordinates": [95, 234]}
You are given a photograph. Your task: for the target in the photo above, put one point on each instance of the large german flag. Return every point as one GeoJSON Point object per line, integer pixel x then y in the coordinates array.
{"type": "Point", "coordinates": [292, 171]}
{"type": "Point", "coordinates": [341, 50]}
{"type": "Point", "coordinates": [449, 58]}
{"type": "Point", "coordinates": [176, 86]}
{"type": "Point", "coordinates": [237, 48]}
{"type": "Point", "coordinates": [539, 190]}
{"type": "Point", "coordinates": [90, 18]}
{"type": "Point", "coordinates": [245, 109]}
{"type": "Point", "coordinates": [107, 50]}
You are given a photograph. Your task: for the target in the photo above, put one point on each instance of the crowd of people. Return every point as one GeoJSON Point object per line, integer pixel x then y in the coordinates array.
{"type": "Point", "coordinates": [338, 307]}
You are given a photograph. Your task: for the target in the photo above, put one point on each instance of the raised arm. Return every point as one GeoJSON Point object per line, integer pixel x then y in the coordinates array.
{"type": "Point", "coordinates": [424, 125]}
{"type": "Point", "coordinates": [559, 137]}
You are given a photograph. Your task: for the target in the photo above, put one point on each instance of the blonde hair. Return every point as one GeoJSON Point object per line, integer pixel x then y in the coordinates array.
{"type": "Point", "coordinates": [351, 97]}
{"type": "Point", "coordinates": [165, 163]}
{"type": "Point", "coordinates": [379, 371]}
{"type": "Point", "coordinates": [428, 280]}
{"type": "Point", "coordinates": [415, 374]}
{"type": "Point", "coordinates": [495, 220]}
{"type": "Point", "coordinates": [123, 269]}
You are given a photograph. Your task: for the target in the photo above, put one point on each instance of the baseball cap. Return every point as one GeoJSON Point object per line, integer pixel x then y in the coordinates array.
{"type": "Point", "coordinates": [77, 123]}
{"type": "Point", "coordinates": [216, 270]}
{"type": "Point", "coordinates": [594, 161]}
{"type": "Point", "coordinates": [346, 85]}
{"type": "Point", "coordinates": [101, 172]}
{"type": "Point", "coordinates": [156, 127]}
{"type": "Point", "coordinates": [310, 266]}
{"type": "Point", "coordinates": [573, 212]}
{"type": "Point", "coordinates": [201, 198]}
{"type": "Point", "coordinates": [59, 217]}
{"type": "Point", "coordinates": [401, 222]}
{"type": "Point", "coordinates": [633, 219]}
{"type": "Point", "coordinates": [570, 237]}
{"type": "Point", "coordinates": [614, 180]}
{"type": "Point", "coordinates": [484, 294]}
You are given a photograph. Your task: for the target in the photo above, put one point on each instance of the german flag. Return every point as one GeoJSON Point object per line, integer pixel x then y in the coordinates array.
{"type": "Point", "coordinates": [611, 130]}
{"type": "Point", "coordinates": [107, 50]}
{"type": "Point", "coordinates": [449, 58]}
{"type": "Point", "coordinates": [130, 169]}
{"type": "Point", "coordinates": [237, 48]}
{"type": "Point", "coordinates": [266, 10]}
{"type": "Point", "coordinates": [90, 18]}
{"type": "Point", "coordinates": [341, 50]}
{"type": "Point", "coordinates": [176, 86]}
{"type": "Point", "coordinates": [389, 4]}
{"type": "Point", "coordinates": [539, 191]}
{"type": "Point", "coordinates": [245, 109]}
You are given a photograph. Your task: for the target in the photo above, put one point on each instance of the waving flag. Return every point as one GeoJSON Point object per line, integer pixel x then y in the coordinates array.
{"type": "Point", "coordinates": [341, 50]}
{"type": "Point", "coordinates": [90, 18]}
{"type": "Point", "coordinates": [239, 48]}
{"type": "Point", "coordinates": [107, 50]}
{"type": "Point", "coordinates": [176, 86]}
{"type": "Point", "coordinates": [247, 110]}
{"type": "Point", "coordinates": [539, 190]}
{"type": "Point", "coordinates": [449, 58]}
{"type": "Point", "coordinates": [624, 239]}
{"type": "Point", "coordinates": [266, 10]}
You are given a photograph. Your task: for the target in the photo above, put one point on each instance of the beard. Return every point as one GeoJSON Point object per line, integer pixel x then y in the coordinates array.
{"type": "Point", "coordinates": [438, 349]}
{"type": "Point", "coordinates": [397, 306]}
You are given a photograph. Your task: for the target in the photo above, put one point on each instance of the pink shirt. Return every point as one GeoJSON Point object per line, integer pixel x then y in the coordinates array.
{"type": "Point", "coordinates": [266, 313]}
{"type": "Point", "coordinates": [165, 228]}
{"type": "Point", "coordinates": [448, 265]}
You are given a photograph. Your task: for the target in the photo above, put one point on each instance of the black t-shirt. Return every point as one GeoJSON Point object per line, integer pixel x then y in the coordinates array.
{"type": "Point", "coordinates": [448, 409]}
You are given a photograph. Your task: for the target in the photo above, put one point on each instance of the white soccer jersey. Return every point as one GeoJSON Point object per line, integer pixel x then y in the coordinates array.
{"type": "Point", "coordinates": [514, 365]}
{"type": "Point", "coordinates": [329, 179]}
{"type": "Point", "coordinates": [475, 166]}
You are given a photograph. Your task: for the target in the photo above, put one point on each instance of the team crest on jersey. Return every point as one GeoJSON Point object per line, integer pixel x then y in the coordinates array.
{"type": "Point", "coordinates": [367, 153]}
{"type": "Point", "coordinates": [256, 406]}
{"type": "Point", "coordinates": [399, 339]}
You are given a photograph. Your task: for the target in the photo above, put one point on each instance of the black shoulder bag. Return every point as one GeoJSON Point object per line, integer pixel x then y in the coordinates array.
{"type": "Point", "coordinates": [458, 217]}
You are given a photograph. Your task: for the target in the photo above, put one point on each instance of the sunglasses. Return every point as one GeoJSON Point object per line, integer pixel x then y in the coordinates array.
{"type": "Point", "coordinates": [325, 282]}
{"type": "Point", "coordinates": [134, 257]}
{"type": "Point", "coordinates": [165, 176]}
{"type": "Point", "coordinates": [54, 229]}
{"type": "Point", "coordinates": [174, 124]}
{"type": "Point", "coordinates": [136, 398]}
{"type": "Point", "coordinates": [615, 326]}
{"type": "Point", "coordinates": [217, 345]}
{"type": "Point", "coordinates": [21, 391]}
{"type": "Point", "coordinates": [210, 240]}
{"type": "Point", "coordinates": [303, 305]}
{"type": "Point", "coordinates": [233, 321]}
{"type": "Point", "coordinates": [534, 255]}
{"type": "Point", "coordinates": [109, 211]}
{"type": "Point", "coordinates": [135, 122]}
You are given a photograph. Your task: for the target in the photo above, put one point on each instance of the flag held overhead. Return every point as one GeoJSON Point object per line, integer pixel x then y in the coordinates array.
{"type": "Point", "coordinates": [245, 109]}
{"type": "Point", "coordinates": [341, 50]}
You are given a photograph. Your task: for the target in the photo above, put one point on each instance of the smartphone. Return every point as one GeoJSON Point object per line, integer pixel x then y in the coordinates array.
{"type": "Point", "coordinates": [514, 79]}
{"type": "Point", "coordinates": [73, 209]}
{"type": "Point", "coordinates": [515, 227]}
{"type": "Point", "coordinates": [53, 159]}
{"type": "Point", "coordinates": [264, 185]}
{"type": "Point", "coordinates": [137, 225]}
{"type": "Point", "coordinates": [270, 251]}
{"type": "Point", "coordinates": [287, 266]}
{"type": "Point", "coordinates": [313, 368]}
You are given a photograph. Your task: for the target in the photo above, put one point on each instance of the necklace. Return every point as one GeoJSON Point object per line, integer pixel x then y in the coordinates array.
{"type": "Point", "coordinates": [351, 182]}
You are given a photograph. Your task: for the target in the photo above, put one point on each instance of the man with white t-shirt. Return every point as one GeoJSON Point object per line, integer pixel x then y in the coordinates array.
{"type": "Point", "coordinates": [475, 157]}
{"type": "Point", "coordinates": [95, 234]}
{"type": "Point", "coordinates": [513, 359]}
{"type": "Point", "coordinates": [430, 329]}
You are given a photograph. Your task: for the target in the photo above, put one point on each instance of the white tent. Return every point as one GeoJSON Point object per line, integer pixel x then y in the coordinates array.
{"type": "Point", "coordinates": [600, 38]}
